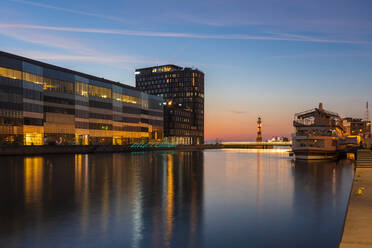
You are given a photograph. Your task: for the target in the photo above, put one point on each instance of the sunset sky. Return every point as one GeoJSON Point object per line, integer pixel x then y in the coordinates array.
{"type": "Point", "coordinates": [269, 58]}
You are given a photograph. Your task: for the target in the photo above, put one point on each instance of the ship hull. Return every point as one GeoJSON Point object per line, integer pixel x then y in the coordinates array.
{"type": "Point", "coordinates": [315, 155]}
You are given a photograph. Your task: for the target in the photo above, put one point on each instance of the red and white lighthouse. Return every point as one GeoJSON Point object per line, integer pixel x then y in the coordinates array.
{"type": "Point", "coordinates": [259, 135]}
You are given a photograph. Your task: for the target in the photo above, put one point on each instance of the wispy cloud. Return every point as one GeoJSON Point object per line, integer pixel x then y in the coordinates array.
{"type": "Point", "coordinates": [78, 12]}
{"type": "Point", "coordinates": [93, 58]}
{"type": "Point", "coordinates": [284, 37]}
{"type": "Point", "coordinates": [44, 39]}
{"type": "Point", "coordinates": [238, 112]}
{"type": "Point", "coordinates": [69, 49]}
{"type": "Point", "coordinates": [242, 13]}
{"type": "Point", "coordinates": [114, 61]}
{"type": "Point", "coordinates": [324, 54]}
{"type": "Point", "coordinates": [210, 21]}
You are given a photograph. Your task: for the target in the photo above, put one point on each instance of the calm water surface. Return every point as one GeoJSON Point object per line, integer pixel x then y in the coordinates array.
{"type": "Point", "coordinates": [215, 198]}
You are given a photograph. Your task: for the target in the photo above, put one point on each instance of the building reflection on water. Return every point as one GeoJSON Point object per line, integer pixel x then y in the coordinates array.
{"type": "Point", "coordinates": [33, 179]}
{"type": "Point", "coordinates": [320, 184]}
{"type": "Point", "coordinates": [132, 199]}
{"type": "Point", "coordinates": [213, 198]}
{"type": "Point", "coordinates": [323, 179]}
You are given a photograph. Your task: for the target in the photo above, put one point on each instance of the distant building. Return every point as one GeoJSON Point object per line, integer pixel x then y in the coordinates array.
{"type": "Point", "coordinates": [278, 139]}
{"type": "Point", "coordinates": [183, 93]}
{"type": "Point", "coordinates": [45, 104]}
{"type": "Point", "coordinates": [358, 128]}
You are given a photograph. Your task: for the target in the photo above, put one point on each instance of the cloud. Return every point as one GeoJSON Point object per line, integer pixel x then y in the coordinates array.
{"type": "Point", "coordinates": [115, 61]}
{"type": "Point", "coordinates": [44, 39]}
{"type": "Point", "coordinates": [284, 37]}
{"type": "Point", "coordinates": [69, 49]}
{"type": "Point", "coordinates": [78, 12]}
{"type": "Point", "coordinates": [310, 55]}
{"type": "Point", "coordinates": [214, 19]}
{"type": "Point", "coordinates": [238, 112]}
{"type": "Point", "coordinates": [349, 22]}
{"type": "Point", "coordinates": [211, 21]}
{"type": "Point", "coordinates": [94, 58]}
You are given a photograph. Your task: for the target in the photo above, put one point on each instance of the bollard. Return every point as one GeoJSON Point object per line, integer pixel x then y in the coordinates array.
{"type": "Point", "coordinates": [360, 190]}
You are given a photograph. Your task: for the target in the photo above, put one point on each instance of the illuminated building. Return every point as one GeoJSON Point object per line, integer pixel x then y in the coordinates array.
{"type": "Point", "coordinates": [278, 139]}
{"type": "Point", "coordinates": [183, 93]}
{"type": "Point", "coordinates": [357, 128]}
{"type": "Point", "coordinates": [45, 104]}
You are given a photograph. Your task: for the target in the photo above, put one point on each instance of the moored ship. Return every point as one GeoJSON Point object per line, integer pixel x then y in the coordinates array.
{"type": "Point", "coordinates": [318, 134]}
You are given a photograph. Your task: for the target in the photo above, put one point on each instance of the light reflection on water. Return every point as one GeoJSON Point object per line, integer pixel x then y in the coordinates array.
{"type": "Point", "coordinates": [216, 198]}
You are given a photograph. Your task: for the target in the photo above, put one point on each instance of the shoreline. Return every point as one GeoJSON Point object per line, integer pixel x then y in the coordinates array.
{"type": "Point", "coordinates": [358, 218]}
{"type": "Point", "coordinates": [78, 149]}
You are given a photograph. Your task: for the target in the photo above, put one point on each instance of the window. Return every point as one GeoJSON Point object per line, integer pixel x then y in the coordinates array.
{"type": "Point", "coordinates": [55, 85]}
{"type": "Point", "coordinates": [99, 91]}
{"type": "Point", "coordinates": [10, 73]}
{"type": "Point", "coordinates": [81, 88]}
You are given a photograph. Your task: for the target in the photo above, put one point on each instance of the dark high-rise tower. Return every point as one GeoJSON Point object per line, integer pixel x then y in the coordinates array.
{"type": "Point", "coordinates": [183, 93]}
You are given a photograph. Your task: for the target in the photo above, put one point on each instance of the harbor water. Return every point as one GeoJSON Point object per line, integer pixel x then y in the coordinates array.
{"type": "Point", "coordinates": [211, 198]}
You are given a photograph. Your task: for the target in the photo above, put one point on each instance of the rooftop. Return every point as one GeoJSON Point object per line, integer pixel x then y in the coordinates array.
{"type": "Point", "coordinates": [165, 68]}
{"type": "Point", "coordinates": [54, 67]}
{"type": "Point", "coordinates": [311, 112]}
{"type": "Point", "coordinates": [160, 66]}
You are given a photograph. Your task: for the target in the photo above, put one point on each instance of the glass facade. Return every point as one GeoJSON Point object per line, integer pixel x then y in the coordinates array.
{"type": "Point", "coordinates": [183, 93]}
{"type": "Point", "coordinates": [41, 104]}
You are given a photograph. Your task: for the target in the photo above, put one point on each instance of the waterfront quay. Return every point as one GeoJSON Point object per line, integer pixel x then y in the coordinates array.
{"type": "Point", "coordinates": [72, 149]}
{"type": "Point", "coordinates": [358, 222]}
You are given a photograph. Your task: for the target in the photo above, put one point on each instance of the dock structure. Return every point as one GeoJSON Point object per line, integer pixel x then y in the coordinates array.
{"type": "Point", "coordinates": [358, 223]}
{"type": "Point", "coordinates": [364, 158]}
{"type": "Point", "coordinates": [71, 149]}
{"type": "Point", "coordinates": [254, 145]}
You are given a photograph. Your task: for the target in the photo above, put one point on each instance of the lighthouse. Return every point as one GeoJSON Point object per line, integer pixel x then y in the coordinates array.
{"type": "Point", "coordinates": [259, 135]}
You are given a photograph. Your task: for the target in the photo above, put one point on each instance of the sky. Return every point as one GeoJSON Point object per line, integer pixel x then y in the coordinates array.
{"type": "Point", "coordinates": [260, 58]}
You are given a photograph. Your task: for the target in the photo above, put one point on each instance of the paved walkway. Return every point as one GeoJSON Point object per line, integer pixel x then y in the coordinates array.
{"type": "Point", "coordinates": [358, 223]}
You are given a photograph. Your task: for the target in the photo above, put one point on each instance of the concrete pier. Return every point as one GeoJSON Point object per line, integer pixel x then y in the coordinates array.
{"type": "Point", "coordinates": [358, 223]}
{"type": "Point", "coordinates": [69, 149]}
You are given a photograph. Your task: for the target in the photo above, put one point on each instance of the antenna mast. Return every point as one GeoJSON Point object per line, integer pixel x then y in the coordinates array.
{"type": "Point", "coordinates": [366, 115]}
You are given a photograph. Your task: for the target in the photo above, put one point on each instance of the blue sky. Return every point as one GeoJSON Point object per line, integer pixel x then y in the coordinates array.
{"type": "Point", "coordinates": [269, 58]}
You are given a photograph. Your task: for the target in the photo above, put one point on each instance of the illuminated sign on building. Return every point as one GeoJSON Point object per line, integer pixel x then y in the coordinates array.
{"type": "Point", "coordinates": [162, 69]}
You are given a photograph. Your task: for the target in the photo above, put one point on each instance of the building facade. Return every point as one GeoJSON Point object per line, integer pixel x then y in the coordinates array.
{"type": "Point", "coordinates": [183, 93]}
{"type": "Point", "coordinates": [44, 104]}
{"type": "Point", "coordinates": [357, 129]}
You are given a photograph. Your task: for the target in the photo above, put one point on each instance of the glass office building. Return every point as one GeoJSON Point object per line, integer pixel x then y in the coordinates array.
{"type": "Point", "coordinates": [183, 93]}
{"type": "Point", "coordinates": [43, 104]}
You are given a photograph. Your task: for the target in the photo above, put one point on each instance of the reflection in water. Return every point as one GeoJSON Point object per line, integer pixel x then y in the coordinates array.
{"type": "Point", "coordinates": [262, 199]}
{"type": "Point", "coordinates": [259, 180]}
{"type": "Point", "coordinates": [319, 184]}
{"type": "Point", "coordinates": [137, 211]}
{"type": "Point", "coordinates": [33, 179]}
{"type": "Point", "coordinates": [321, 178]}
{"type": "Point", "coordinates": [172, 199]}
{"type": "Point", "coordinates": [111, 199]}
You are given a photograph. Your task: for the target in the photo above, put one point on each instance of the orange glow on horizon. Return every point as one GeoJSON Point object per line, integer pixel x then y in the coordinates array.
{"type": "Point", "coordinates": [237, 120]}
{"type": "Point", "coordinates": [226, 129]}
